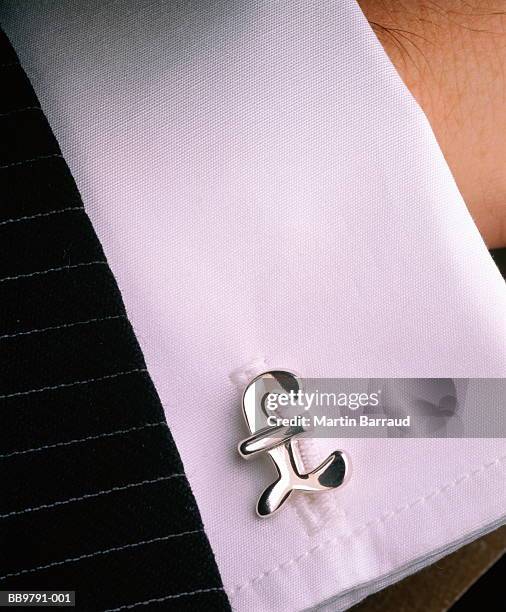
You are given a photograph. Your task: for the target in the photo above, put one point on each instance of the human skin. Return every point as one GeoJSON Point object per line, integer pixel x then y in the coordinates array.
{"type": "Point", "coordinates": [452, 56]}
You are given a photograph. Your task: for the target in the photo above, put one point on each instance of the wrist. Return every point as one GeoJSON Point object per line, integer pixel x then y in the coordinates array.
{"type": "Point", "coordinates": [452, 57]}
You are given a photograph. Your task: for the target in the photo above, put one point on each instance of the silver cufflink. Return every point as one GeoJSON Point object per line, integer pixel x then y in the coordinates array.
{"type": "Point", "coordinates": [277, 442]}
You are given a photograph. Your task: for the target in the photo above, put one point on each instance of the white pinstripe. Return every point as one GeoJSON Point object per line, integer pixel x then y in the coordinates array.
{"type": "Point", "coordinates": [118, 432]}
{"type": "Point", "coordinates": [63, 326]}
{"type": "Point", "coordinates": [70, 500]}
{"type": "Point", "coordinates": [100, 552]}
{"type": "Point", "coordinates": [31, 160]}
{"type": "Point", "coordinates": [59, 269]}
{"type": "Point", "coordinates": [45, 214]}
{"type": "Point", "coordinates": [158, 599]}
{"type": "Point", "coordinates": [72, 384]}
{"type": "Point", "coordinates": [20, 110]}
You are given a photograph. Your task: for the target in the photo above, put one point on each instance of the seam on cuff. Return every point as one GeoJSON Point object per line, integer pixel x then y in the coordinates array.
{"type": "Point", "coordinates": [362, 528]}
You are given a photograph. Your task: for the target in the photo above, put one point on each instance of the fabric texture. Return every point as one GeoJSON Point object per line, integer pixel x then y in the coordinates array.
{"type": "Point", "coordinates": [269, 194]}
{"type": "Point", "coordinates": [94, 495]}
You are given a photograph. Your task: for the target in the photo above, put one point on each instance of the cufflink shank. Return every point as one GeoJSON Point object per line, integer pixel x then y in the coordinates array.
{"type": "Point", "coordinates": [278, 443]}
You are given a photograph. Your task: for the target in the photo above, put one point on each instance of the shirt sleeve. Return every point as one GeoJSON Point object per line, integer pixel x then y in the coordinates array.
{"type": "Point", "coordinates": [269, 194]}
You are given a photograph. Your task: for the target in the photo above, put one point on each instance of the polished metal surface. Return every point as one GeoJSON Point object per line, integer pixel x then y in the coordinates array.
{"type": "Point", "coordinates": [279, 443]}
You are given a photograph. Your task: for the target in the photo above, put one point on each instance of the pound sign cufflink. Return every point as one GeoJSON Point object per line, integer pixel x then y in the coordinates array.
{"type": "Point", "coordinates": [277, 441]}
